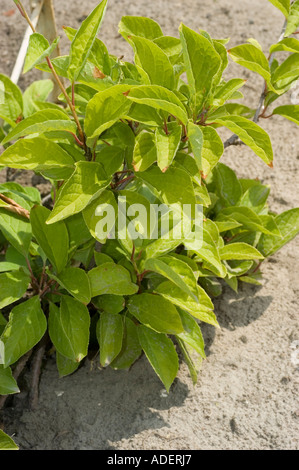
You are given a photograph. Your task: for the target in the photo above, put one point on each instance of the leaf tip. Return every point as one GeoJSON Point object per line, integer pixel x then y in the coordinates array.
{"type": "Point", "coordinates": [270, 165]}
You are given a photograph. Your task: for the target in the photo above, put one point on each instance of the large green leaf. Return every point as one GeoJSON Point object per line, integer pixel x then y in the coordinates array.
{"type": "Point", "coordinates": [6, 442]}
{"type": "Point", "coordinates": [109, 303]}
{"type": "Point", "coordinates": [139, 26]}
{"type": "Point", "coordinates": [13, 286]}
{"type": "Point", "coordinates": [251, 57]}
{"type": "Point", "coordinates": [293, 19]}
{"type": "Point", "coordinates": [110, 278]}
{"type": "Point", "coordinates": [53, 239]}
{"type": "Point", "coordinates": [105, 108]}
{"type": "Point", "coordinates": [84, 39]}
{"type": "Point", "coordinates": [38, 49]}
{"type": "Point", "coordinates": [110, 330]}
{"type": "Point", "coordinates": [86, 183]}
{"type": "Point", "coordinates": [145, 151]}
{"type": "Point", "coordinates": [156, 313]}
{"type": "Point", "coordinates": [286, 73]}
{"type": "Point", "coordinates": [239, 251]}
{"type": "Point", "coordinates": [202, 63]}
{"type": "Point", "coordinates": [202, 310]}
{"type": "Point", "coordinates": [76, 282]}
{"type": "Point", "coordinates": [154, 62]}
{"type": "Point", "coordinates": [161, 354]}
{"type": "Point", "coordinates": [37, 154]}
{"type": "Point", "coordinates": [251, 134]}
{"type": "Point", "coordinates": [288, 224]}
{"type": "Point", "coordinates": [8, 385]}
{"type": "Point", "coordinates": [93, 214]}
{"type": "Point", "coordinates": [290, 112]}
{"type": "Point", "coordinates": [27, 325]}
{"type": "Point", "coordinates": [228, 187]}
{"type": "Point", "coordinates": [159, 98]}
{"type": "Point", "coordinates": [11, 101]}
{"type": "Point", "coordinates": [255, 197]}
{"type": "Point", "coordinates": [131, 348]}
{"type": "Point", "coordinates": [69, 328]}
{"type": "Point", "coordinates": [40, 122]}
{"type": "Point", "coordinates": [167, 145]}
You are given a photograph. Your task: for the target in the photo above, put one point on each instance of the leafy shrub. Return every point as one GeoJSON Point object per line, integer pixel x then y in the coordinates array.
{"type": "Point", "coordinates": [141, 131]}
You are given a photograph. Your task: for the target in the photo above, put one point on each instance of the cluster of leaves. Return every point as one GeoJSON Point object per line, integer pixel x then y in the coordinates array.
{"type": "Point", "coordinates": [141, 131]}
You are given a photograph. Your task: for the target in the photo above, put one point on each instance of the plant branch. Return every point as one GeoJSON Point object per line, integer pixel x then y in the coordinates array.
{"type": "Point", "coordinates": [12, 206]}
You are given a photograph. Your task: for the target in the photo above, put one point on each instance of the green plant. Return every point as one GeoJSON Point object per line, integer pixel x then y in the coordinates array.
{"type": "Point", "coordinates": [140, 131]}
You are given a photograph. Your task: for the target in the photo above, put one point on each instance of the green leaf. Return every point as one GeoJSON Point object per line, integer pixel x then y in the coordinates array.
{"type": "Point", "coordinates": [228, 187]}
{"type": "Point", "coordinates": [40, 122]}
{"type": "Point", "coordinates": [167, 145]}
{"type": "Point", "coordinates": [288, 224]}
{"type": "Point", "coordinates": [156, 313]}
{"type": "Point", "coordinates": [84, 39]}
{"type": "Point", "coordinates": [15, 228]}
{"type": "Point", "coordinates": [110, 330]}
{"type": "Point", "coordinates": [255, 197]}
{"type": "Point", "coordinates": [14, 284]}
{"type": "Point", "coordinates": [53, 239]}
{"type": "Point", "coordinates": [37, 154]}
{"type": "Point", "coordinates": [286, 73]}
{"type": "Point", "coordinates": [131, 348]}
{"type": "Point", "coordinates": [293, 19]}
{"type": "Point", "coordinates": [69, 328]}
{"type": "Point", "coordinates": [35, 94]}
{"type": "Point", "coordinates": [252, 58]}
{"type": "Point", "coordinates": [239, 251]}
{"type": "Point", "coordinates": [86, 184]}
{"type": "Point", "coordinates": [8, 385]}
{"type": "Point", "coordinates": [76, 282]}
{"type": "Point", "coordinates": [176, 271]}
{"type": "Point", "coordinates": [109, 303]}
{"type": "Point", "coordinates": [202, 310]}
{"type": "Point", "coordinates": [290, 112]}
{"type": "Point", "coordinates": [202, 63]}
{"type": "Point", "coordinates": [145, 152]}
{"type": "Point", "coordinates": [11, 101]}
{"type": "Point", "coordinates": [193, 359]}
{"type": "Point", "coordinates": [27, 325]}
{"type": "Point", "coordinates": [192, 334]}
{"type": "Point", "coordinates": [207, 250]}
{"type": "Point", "coordinates": [195, 136]}
{"type": "Point", "coordinates": [161, 354]}
{"type": "Point", "coordinates": [287, 44]}
{"type": "Point", "coordinates": [159, 98]}
{"type": "Point", "coordinates": [154, 62]}
{"type": "Point", "coordinates": [247, 217]}
{"type": "Point", "coordinates": [282, 5]}
{"type": "Point", "coordinates": [93, 214]}
{"type": "Point", "coordinates": [251, 134]}
{"type": "Point", "coordinates": [6, 442]}
{"type": "Point", "coordinates": [101, 258]}
{"type": "Point", "coordinates": [111, 278]}
{"type": "Point", "coordinates": [139, 26]}
{"type": "Point", "coordinates": [227, 90]}
{"type": "Point", "coordinates": [106, 108]}
{"type": "Point", "coordinates": [65, 366]}
{"type": "Point", "coordinates": [38, 49]}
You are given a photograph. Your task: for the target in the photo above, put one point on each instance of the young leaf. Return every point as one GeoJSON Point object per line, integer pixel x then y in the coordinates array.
{"type": "Point", "coordinates": [287, 44]}
{"type": "Point", "coordinates": [131, 348]}
{"type": "Point", "coordinates": [11, 102]}
{"type": "Point", "coordinates": [293, 19]}
{"type": "Point", "coordinates": [40, 122]}
{"type": "Point", "coordinates": [239, 251]}
{"type": "Point", "coordinates": [139, 26]}
{"type": "Point", "coordinates": [110, 330]}
{"type": "Point", "coordinates": [76, 282]}
{"type": "Point", "coordinates": [282, 5]}
{"type": "Point", "coordinates": [202, 63]}
{"type": "Point", "coordinates": [106, 108]}
{"type": "Point", "coordinates": [156, 313]}
{"type": "Point", "coordinates": [6, 442]}
{"type": "Point", "coordinates": [288, 224]}
{"type": "Point", "coordinates": [167, 145]}
{"type": "Point", "coordinates": [86, 183]}
{"type": "Point", "coordinates": [84, 39]}
{"type": "Point", "coordinates": [13, 286]}
{"type": "Point", "coordinates": [159, 98]}
{"type": "Point", "coordinates": [290, 112]}
{"type": "Point", "coordinates": [27, 325]}
{"type": "Point", "coordinates": [38, 49]}
{"type": "Point", "coordinates": [8, 385]}
{"type": "Point", "coordinates": [111, 278]}
{"type": "Point", "coordinates": [251, 134]}
{"type": "Point", "coordinates": [53, 239]}
{"type": "Point", "coordinates": [161, 354]}
{"type": "Point", "coordinates": [69, 328]}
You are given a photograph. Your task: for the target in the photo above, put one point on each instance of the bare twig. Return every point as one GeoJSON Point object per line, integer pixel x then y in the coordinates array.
{"type": "Point", "coordinates": [36, 369]}
{"type": "Point", "coordinates": [12, 206]}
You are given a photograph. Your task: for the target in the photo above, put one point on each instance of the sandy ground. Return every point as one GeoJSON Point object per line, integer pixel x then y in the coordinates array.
{"type": "Point", "coordinates": [247, 395]}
